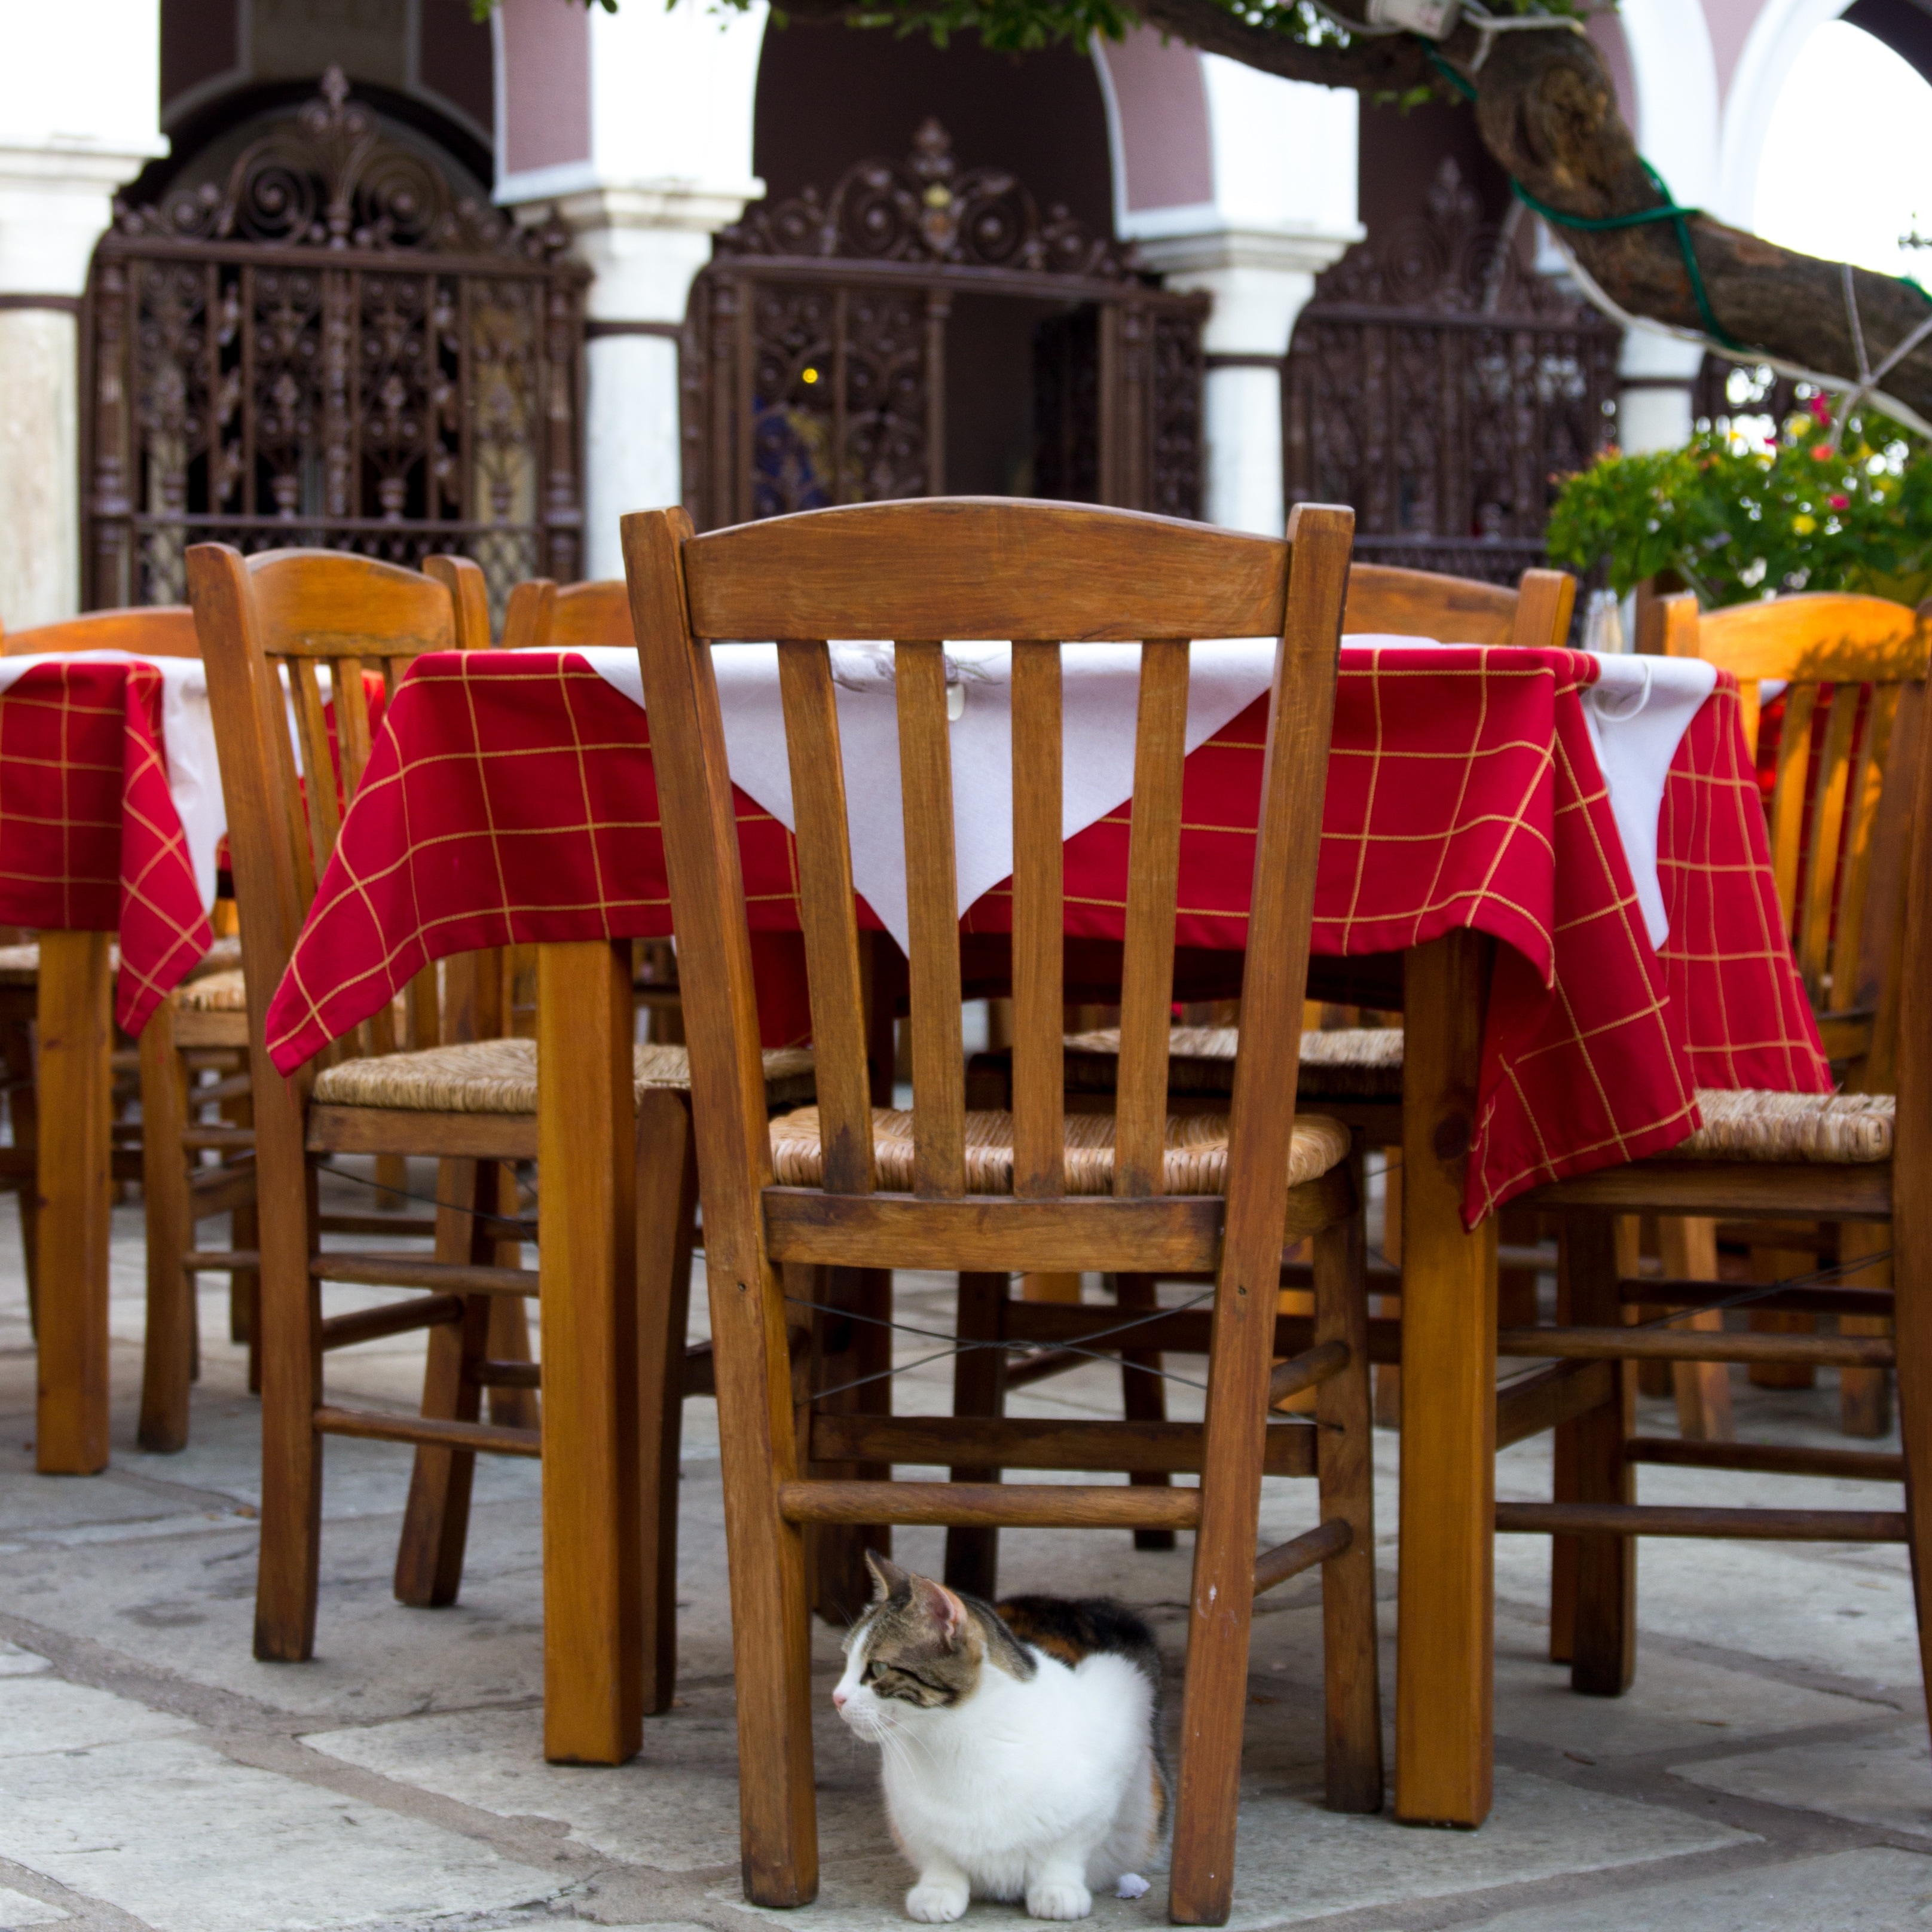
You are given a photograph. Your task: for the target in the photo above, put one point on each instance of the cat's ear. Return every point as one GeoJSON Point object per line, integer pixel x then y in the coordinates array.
{"type": "Point", "coordinates": [947, 1612]}
{"type": "Point", "coordinates": [888, 1578]}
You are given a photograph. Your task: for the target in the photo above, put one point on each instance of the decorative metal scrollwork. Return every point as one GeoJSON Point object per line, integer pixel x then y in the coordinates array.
{"type": "Point", "coordinates": [333, 345]}
{"type": "Point", "coordinates": [1439, 384]}
{"type": "Point", "coordinates": [922, 209]}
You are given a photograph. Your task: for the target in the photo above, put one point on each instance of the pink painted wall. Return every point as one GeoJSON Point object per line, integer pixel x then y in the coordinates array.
{"type": "Point", "coordinates": [546, 84]}
{"type": "Point", "coordinates": [1606, 31]}
{"type": "Point", "coordinates": [1166, 155]}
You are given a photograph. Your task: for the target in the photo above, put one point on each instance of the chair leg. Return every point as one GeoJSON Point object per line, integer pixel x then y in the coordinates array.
{"type": "Point", "coordinates": [1388, 1375]}
{"type": "Point", "coordinates": [1346, 1481]}
{"type": "Point", "coordinates": [1775, 1264]}
{"type": "Point", "coordinates": [979, 1388]}
{"type": "Point", "coordinates": [1221, 1605]}
{"type": "Point", "coordinates": [853, 1356]}
{"type": "Point", "coordinates": [1912, 1323]}
{"type": "Point", "coordinates": [22, 1107]}
{"type": "Point", "coordinates": [1143, 1394]}
{"type": "Point", "coordinates": [510, 1323]}
{"type": "Point", "coordinates": [1603, 1654]}
{"type": "Point", "coordinates": [290, 1323]}
{"type": "Point", "coordinates": [244, 1289]}
{"type": "Point", "coordinates": [770, 1613]}
{"type": "Point", "coordinates": [1864, 1395]}
{"type": "Point", "coordinates": [1688, 1248]}
{"type": "Point", "coordinates": [167, 1363]}
{"type": "Point", "coordinates": [667, 1214]}
{"type": "Point", "coordinates": [436, 1523]}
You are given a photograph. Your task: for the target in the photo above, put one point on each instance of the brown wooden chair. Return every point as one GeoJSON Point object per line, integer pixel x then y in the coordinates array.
{"type": "Point", "coordinates": [469, 1103]}
{"type": "Point", "coordinates": [1844, 660]}
{"type": "Point", "coordinates": [1858, 1159]}
{"type": "Point", "coordinates": [196, 1101]}
{"type": "Point", "coordinates": [990, 1194]}
{"type": "Point", "coordinates": [1352, 1073]}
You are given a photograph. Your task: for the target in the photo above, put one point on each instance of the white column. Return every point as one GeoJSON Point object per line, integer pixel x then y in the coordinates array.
{"type": "Point", "coordinates": [1654, 410]}
{"type": "Point", "coordinates": [79, 103]}
{"type": "Point", "coordinates": [669, 163]}
{"type": "Point", "coordinates": [1283, 209]}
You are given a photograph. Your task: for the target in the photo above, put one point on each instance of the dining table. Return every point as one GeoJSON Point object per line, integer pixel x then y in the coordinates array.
{"type": "Point", "coordinates": [1555, 863]}
{"type": "Point", "coordinates": [110, 817]}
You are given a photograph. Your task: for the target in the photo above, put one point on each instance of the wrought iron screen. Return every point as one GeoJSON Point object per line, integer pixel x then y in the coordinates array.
{"type": "Point", "coordinates": [1441, 387]}
{"type": "Point", "coordinates": [332, 345]}
{"type": "Point", "coordinates": [815, 357]}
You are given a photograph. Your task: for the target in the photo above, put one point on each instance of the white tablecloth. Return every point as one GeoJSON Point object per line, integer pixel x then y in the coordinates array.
{"type": "Point", "coordinates": [1637, 713]}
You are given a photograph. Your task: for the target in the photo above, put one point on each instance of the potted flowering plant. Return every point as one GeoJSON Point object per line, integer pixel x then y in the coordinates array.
{"type": "Point", "coordinates": [1826, 506]}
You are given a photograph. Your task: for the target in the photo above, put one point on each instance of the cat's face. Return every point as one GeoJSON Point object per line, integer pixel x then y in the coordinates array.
{"type": "Point", "coordinates": [917, 1650]}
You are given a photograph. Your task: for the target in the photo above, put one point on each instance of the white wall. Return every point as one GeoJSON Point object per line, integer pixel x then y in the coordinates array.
{"type": "Point", "coordinates": [1282, 207]}
{"type": "Point", "coordinates": [79, 108]}
{"type": "Point", "coordinates": [671, 96]}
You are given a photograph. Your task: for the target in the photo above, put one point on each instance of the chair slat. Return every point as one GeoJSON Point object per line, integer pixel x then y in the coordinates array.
{"type": "Point", "coordinates": [1787, 797]}
{"type": "Point", "coordinates": [1545, 600]}
{"type": "Point", "coordinates": [352, 723]}
{"type": "Point", "coordinates": [528, 616]}
{"type": "Point", "coordinates": [325, 818]}
{"type": "Point", "coordinates": [1040, 1154]}
{"type": "Point", "coordinates": [938, 1053]}
{"type": "Point", "coordinates": [827, 913]}
{"type": "Point", "coordinates": [1153, 874]}
{"type": "Point", "coordinates": [1827, 821]}
{"type": "Point", "coordinates": [1866, 790]}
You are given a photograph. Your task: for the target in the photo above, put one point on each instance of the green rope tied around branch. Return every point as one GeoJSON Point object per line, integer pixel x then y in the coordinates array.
{"type": "Point", "coordinates": [1669, 212]}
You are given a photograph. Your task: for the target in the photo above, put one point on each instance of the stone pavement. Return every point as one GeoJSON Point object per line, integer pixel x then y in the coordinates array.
{"type": "Point", "coordinates": [1769, 1770]}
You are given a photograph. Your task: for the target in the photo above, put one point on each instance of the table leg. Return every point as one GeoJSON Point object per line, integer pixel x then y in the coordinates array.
{"type": "Point", "coordinates": [1445, 1614]}
{"type": "Point", "coordinates": [76, 1110]}
{"type": "Point", "coordinates": [593, 1627]}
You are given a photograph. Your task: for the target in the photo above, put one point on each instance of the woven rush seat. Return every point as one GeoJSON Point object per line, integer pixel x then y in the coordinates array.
{"type": "Point", "coordinates": [1347, 1063]}
{"type": "Point", "coordinates": [1196, 1161]}
{"type": "Point", "coordinates": [223, 992]}
{"type": "Point", "coordinates": [499, 1076]}
{"type": "Point", "coordinates": [20, 965]}
{"type": "Point", "coordinates": [1749, 1124]}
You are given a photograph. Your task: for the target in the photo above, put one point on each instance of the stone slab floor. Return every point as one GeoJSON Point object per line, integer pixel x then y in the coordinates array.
{"type": "Point", "coordinates": [1770, 1768]}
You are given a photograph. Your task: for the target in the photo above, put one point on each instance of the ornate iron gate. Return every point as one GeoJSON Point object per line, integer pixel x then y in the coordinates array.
{"type": "Point", "coordinates": [815, 357]}
{"type": "Point", "coordinates": [333, 346]}
{"type": "Point", "coordinates": [1440, 387]}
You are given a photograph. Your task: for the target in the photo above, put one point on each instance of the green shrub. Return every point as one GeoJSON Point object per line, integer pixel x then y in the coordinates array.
{"type": "Point", "coordinates": [1814, 511]}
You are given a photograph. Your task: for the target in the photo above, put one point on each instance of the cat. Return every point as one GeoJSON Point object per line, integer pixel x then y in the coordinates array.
{"type": "Point", "coordinates": [1022, 1744]}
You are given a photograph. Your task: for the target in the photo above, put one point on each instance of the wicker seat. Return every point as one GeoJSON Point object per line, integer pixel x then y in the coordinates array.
{"type": "Point", "coordinates": [1346, 1063]}
{"type": "Point", "coordinates": [223, 992]}
{"type": "Point", "coordinates": [499, 1076]}
{"type": "Point", "coordinates": [1195, 1160]}
{"type": "Point", "coordinates": [1831, 1128]}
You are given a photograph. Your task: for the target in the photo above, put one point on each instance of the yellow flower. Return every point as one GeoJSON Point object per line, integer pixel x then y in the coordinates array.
{"type": "Point", "coordinates": [1805, 526]}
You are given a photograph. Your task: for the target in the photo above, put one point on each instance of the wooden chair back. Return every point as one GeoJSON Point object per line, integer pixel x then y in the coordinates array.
{"type": "Point", "coordinates": [142, 631]}
{"type": "Point", "coordinates": [545, 616]}
{"type": "Point", "coordinates": [1051, 576]}
{"type": "Point", "coordinates": [269, 624]}
{"type": "Point", "coordinates": [1458, 610]}
{"type": "Point", "coordinates": [1840, 809]}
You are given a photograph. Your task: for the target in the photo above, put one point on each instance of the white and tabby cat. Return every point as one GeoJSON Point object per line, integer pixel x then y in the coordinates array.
{"type": "Point", "coordinates": [1021, 1746]}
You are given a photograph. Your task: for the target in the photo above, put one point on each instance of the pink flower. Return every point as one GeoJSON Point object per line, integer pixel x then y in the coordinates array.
{"type": "Point", "coordinates": [1839, 503]}
{"type": "Point", "coordinates": [1821, 411]}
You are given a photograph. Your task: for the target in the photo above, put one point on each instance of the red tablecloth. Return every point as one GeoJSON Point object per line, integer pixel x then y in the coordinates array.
{"type": "Point", "coordinates": [90, 840]}
{"type": "Point", "coordinates": [510, 799]}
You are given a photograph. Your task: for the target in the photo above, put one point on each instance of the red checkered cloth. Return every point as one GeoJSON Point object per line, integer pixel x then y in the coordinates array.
{"type": "Point", "coordinates": [90, 840]}
{"type": "Point", "coordinates": [510, 799]}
